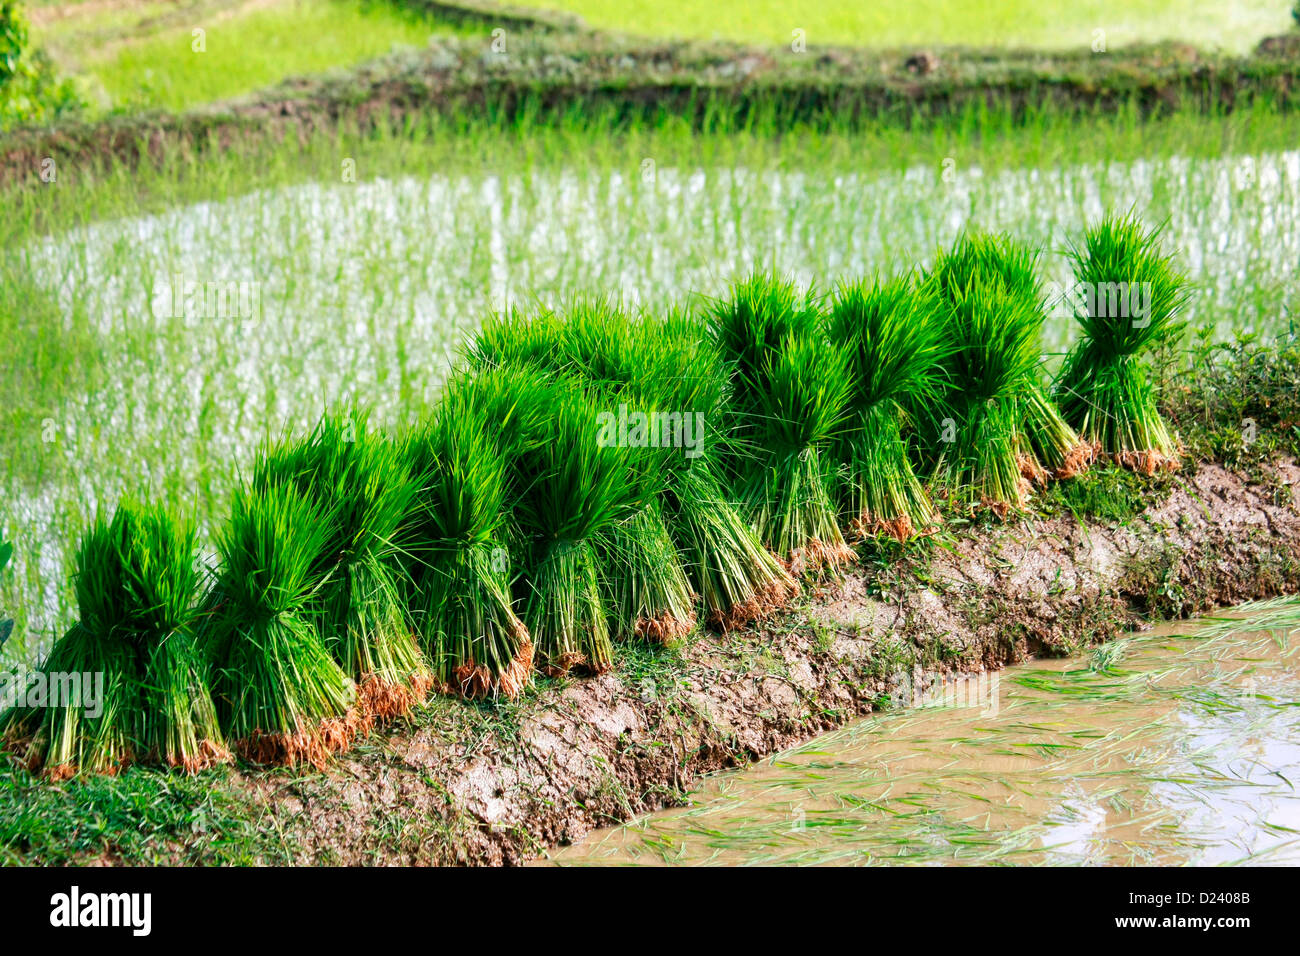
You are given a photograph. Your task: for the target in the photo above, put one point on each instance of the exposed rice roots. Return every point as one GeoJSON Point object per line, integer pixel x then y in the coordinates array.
{"type": "Point", "coordinates": [1147, 462]}
{"type": "Point", "coordinates": [570, 662]}
{"type": "Point", "coordinates": [381, 701]}
{"type": "Point", "coordinates": [664, 628]}
{"type": "Point", "coordinates": [775, 596]}
{"type": "Point", "coordinates": [473, 681]}
{"type": "Point", "coordinates": [305, 746]}
{"type": "Point", "coordinates": [817, 556]}
{"type": "Point", "coordinates": [899, 528]}
{"type": "Point", "coordinates": [1079, 459]}
{"type": "Point", "coordinates": [211, 753]}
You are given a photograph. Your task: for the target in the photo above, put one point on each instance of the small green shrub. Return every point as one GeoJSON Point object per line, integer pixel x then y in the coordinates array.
{"type": "Point", "coordinates": [30, 90]}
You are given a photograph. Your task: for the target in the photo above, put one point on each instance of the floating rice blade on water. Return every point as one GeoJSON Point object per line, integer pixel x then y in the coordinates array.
{"type": "Point", "coordinates": [1103, 389]}
{"type": "Point", "coordinates": [895, 344]}
{"type": "Point", "coordinates": [363, 484]}
{"type": "Point", "coordinates": [281, 696]}
{"type": "Point", "coordinates": [791, 388]}
{"type": "Point", "coordinates": [140, 690]}
{"type": "Point", "coordinates": [460, 566]}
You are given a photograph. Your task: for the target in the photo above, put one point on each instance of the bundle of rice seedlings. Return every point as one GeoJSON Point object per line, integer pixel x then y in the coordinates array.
{"type": "Point", "coordinates": [136, 583]}
{"type": "Point", "coordinates": [574, 489]}
{"type": "Point", "coordinates": [993, 341]}
{"type": "Point", "coordinates": [87, 727]}
{"type": "Point", "coordinates": [791, 388]}
{"type": "Point", "coordinates": [738, 579]}
{"type": "Point", "coordinates": [895, 345]}
{"type": "Point", "coordinates": [644, 583]}
{"type": "Point", "coordinates": [280, 694]}
{"type": "Point", "coordinates": [1047, 444]}
{"type": "Point", "coordinates": [362, 482]}
{"type": "Point", "coordinates": [459, 545]}
{"type": "Point", "coordinates": [1133, 294]}
{"type": "Point", "coordinates": [643, 575]}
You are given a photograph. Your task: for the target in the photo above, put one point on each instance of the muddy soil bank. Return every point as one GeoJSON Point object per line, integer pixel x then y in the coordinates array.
{"type": "Point", "coordinates": [476, 784]}
{"type": "Point", "coordinates": [556, 71]}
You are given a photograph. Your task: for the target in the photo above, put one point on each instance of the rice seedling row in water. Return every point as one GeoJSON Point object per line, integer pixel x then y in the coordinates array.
{"type": "Point", "coordinates": [358, 569]}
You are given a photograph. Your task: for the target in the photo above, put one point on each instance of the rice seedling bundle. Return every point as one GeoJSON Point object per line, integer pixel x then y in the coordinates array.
{"type": "Point", "coordinates": [281, 696]}
{"type": "Point", "coordinates": [1047, 444]}
{"type": "Point", "coordinates": [642, 573]}
{"type": "Point", "coordinates": [790, 391]}
{"type": "Point", "coordinates": [645, 586]}
{"type": "Point", "coordinates": [668, 371]}
{"type": "Point", "coordinates": [994, 433]}
{"type": "Point", "coordinates": [133, 655]}
{"type": "Point", "coordinates": [993, 341]}
{"type": "Point", "coordinates": [459, 540]}
{"type": "Point", "coordinates": [574, 490]}
{"type": "Point", "coordinates": [895, 345]}
{"type": "Point", "coordinates": [736, 576]}
{"type": "Point", "coordinates": [1133, 294]}
{"type": "Point", "coordinates": [364, 487]}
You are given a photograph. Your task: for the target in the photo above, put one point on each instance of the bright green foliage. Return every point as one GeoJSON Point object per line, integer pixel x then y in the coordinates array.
{"type": "Point", "coordinates": [1132, 294]}
{"type": "Point", "coordinates": [458, 541]}
{"type": "Point", "coordinates": [362, 482]}
{"type": "Point", "coordinates": [137, 583]}
{"type": "Point", "coordinates": [993, 339]}
{"type": "Point", "coordinates": [791, 388]}
{"type": "Point", "coordinates": [281, 695]}
{"type": "Point", "coordinates": [895, 347]}
{"type": "Point", "coordinates": [29, 90]}
{"type": "Point", "coordinates": [1045, 442]}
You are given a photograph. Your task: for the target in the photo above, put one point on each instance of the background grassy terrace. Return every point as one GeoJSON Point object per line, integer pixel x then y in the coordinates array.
{"type": "Point", "coordinates": [553, 78]}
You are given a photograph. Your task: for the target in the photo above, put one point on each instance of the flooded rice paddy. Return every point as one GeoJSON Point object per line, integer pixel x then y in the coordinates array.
{"type": "Point", "coordinates": [1175, 747]}
{"type": "Point", "coordinates": [366, 289]}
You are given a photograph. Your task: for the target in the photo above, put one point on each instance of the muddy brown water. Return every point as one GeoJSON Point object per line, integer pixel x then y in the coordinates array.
{"type": "Point", "coordinates": [1181, 745]}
